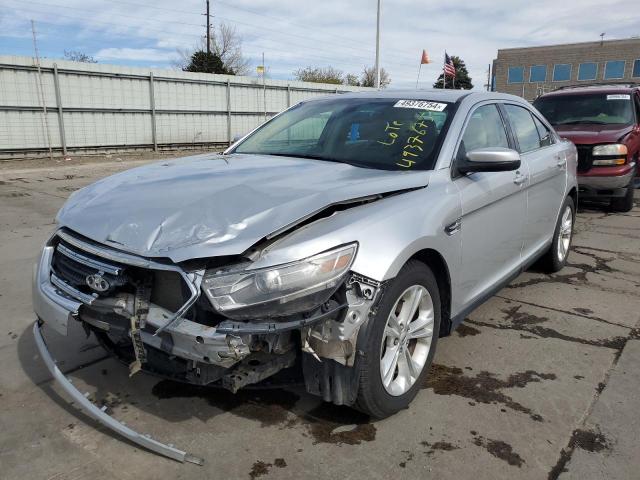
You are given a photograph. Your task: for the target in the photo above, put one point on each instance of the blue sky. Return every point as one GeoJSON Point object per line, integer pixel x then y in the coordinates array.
{"type": "Point", "coordinates": [295, 34]}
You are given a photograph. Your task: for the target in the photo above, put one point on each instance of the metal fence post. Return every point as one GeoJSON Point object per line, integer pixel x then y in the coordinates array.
{"type": "Point", "coordinates": [56, 86]}
{"type": "Point", "coordinates": [288, 96]}
{"type": "Point", "coordinates": [152, 102]}
{"type": "Point", "coordinates": [229, 139]}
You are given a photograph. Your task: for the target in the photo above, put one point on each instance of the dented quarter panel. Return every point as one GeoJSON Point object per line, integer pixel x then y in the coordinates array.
{"type": "Point", "coordinates": [212, 205]}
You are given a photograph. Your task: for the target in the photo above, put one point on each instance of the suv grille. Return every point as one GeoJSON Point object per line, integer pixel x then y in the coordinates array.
{"type": "Point", "coordinates": [585, 159]}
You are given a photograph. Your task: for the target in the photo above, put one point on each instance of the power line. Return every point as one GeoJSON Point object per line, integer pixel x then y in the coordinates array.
{"type": "Point", "coordinates": [258, 27]}
{"type": "Point", "coordinates": [331, 60]}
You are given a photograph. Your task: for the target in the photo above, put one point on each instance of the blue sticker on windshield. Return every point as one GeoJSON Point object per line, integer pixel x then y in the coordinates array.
{"type": "Point", "coordinates": [354, 133]}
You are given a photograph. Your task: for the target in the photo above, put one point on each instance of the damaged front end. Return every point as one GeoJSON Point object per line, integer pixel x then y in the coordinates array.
{"type": "Point", "coordinates": [215, 321]}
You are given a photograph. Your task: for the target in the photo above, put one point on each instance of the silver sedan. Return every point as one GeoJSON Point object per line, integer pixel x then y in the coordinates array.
{"type": "Point", "coordinates": [346, 236]}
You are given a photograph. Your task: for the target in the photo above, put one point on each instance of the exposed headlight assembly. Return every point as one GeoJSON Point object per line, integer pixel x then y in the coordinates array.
{"type": "Point", "coordinates": [280, 290]}
{"type": "Point", "coordinates": [607, 155]}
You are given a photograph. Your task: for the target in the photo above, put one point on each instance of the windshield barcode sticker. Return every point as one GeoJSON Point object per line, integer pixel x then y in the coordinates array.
{"type": "Point", "coordinates": [619, 97]}
{"type": "Point", "coordinates": [421, 105]}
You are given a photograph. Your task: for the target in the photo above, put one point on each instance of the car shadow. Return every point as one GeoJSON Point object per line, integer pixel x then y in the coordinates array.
{"type": "Point", "coordinates": [283, 407]}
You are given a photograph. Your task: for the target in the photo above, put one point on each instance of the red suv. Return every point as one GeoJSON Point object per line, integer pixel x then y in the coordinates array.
{"type": "Point", "coordinates": [603, 121]}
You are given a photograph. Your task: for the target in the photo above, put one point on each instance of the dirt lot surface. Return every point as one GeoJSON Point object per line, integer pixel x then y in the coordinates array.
{"type": "Point", "coordinates": [540, 382]}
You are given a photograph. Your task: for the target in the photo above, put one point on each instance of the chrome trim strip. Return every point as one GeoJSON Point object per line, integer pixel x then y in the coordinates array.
{"type": "Point", "coordinates": [69, 290]}
{"type": "Point", "coordinates": [112, 254]}
{"type": "Point", "coordinates": [99, 415]}
{"type": "Point", "coordinates": [90, 262]}
{"type": "Point", "coordinates": [192, 279]}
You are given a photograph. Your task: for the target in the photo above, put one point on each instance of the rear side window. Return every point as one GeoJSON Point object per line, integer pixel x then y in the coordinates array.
{"type": "Point", "coordinates": [523, 127]}
{"type": "Point", "coordinates": [484, 130]}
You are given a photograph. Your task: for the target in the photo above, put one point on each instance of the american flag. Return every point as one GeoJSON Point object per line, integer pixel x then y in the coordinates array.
{"type": "Point", "coordinates": [449, 67]}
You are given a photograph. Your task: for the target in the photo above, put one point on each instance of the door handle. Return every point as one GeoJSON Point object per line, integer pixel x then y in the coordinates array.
{"type": "Point", "coordinates": [519, 179]}
{"type": "Point", "coordinates": [561, 160]}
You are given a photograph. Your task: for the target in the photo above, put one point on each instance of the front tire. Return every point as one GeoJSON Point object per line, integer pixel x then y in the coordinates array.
{"type": "Point", "coordinates": [555, 258]}
{"type": "Point", "coordinates": [624, 204]}
{"type": "Point", "coordinates": [401, 342]}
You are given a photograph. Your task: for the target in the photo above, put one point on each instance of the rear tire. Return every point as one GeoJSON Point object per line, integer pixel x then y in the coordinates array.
{"type": "Point", "coordinates": [624, 204]}
{"type": "Point", "coordinates": [412, 333]}
{"type": "Point", "coordinates": [555, 258]}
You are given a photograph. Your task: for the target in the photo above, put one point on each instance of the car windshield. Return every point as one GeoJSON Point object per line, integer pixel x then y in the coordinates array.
{"type": "Point", "coordinates": [589, 109]}
{"type": "Point", "coordinates": [372, 133]}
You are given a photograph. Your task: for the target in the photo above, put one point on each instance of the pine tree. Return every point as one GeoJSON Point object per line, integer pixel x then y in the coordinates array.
{"type": "Point", "coordinates": [463, 80]}
{"type": "Point", "coordinates": [204, 62]}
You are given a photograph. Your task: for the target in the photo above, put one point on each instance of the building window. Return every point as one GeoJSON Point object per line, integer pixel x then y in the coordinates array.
{"type": "Point", "coordinates": [614, 69]}
{"type": "Point", "coordinates": [516, 75]}
{"type": "Point", "coordinates": [562, 72]}
{"type": "Point", "coordinates": [588, 71]}
{"type": "Point", "coordinates": [636, 68]}
{"type": "Point", "coordinates": [538, 73]}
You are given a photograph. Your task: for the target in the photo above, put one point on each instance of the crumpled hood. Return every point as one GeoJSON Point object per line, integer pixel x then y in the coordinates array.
{"type": "Point", "coordinates": [593, 134]}
{"type": "Point", "coordinates": [210, 205]}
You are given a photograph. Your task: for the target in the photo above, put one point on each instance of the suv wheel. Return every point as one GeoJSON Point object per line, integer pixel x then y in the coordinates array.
{"type": "Point", "coordinates": [624, 204]}
{"type": "Point", "coordinates": [401, 342]}
{"type": "Point", "coordinates": [556, 257]}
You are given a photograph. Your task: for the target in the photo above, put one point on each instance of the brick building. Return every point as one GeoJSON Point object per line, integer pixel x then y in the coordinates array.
{"type": "Point", "coordinates": [529, 72]}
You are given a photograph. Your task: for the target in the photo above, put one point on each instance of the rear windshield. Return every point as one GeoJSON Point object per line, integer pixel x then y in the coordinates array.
{"type": "Point", "coordinates": [595, 109]}
{"type": "Point", "coordinates": [385, 134]}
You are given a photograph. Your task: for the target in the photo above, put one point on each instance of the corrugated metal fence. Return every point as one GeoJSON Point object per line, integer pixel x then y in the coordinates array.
{"type": "Point", "coordinates": [95, 107]}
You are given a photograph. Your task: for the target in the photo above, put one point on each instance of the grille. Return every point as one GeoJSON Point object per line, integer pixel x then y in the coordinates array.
{"type": "Point", "coordinates": [585, 160]}
{"type": "Point", "coordinates": [73, 267]}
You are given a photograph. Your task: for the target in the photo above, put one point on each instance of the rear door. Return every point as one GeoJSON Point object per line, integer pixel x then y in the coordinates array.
{"type": "Point", "coordinates": [547, 166]}
{"type": "Point", "coordinates": [494, 209]}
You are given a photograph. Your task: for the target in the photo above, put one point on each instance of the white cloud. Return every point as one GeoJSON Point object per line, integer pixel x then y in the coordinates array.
{"type": "Point", "coordinates": [143, 54]}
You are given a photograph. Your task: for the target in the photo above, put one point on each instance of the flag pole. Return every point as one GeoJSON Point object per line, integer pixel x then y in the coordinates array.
{"type": "Point", "coordinates": [419, 69]}
{"type": "Point", "coordinates": [444, 72]}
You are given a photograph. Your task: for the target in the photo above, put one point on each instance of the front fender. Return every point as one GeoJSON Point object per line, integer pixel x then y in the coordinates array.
{"type": "Point", "coordinates": [388, 231]}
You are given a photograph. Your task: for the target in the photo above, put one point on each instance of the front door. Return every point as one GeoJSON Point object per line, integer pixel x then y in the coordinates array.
{"type": "Point", "coordinates": [494, 210]}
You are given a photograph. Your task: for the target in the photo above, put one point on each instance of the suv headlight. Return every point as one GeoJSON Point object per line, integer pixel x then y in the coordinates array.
{"type": "Point", "coordinates": [606, 155]}
{"type": "Point", "coordinates": [279, 290]}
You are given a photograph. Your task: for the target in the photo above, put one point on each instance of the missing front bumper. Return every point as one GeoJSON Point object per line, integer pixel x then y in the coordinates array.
{"type": "Point", "coordinates": [101, 416]}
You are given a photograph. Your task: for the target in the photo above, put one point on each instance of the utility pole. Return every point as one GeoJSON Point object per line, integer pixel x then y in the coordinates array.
{"type": "Point", "coordinates": [40, 90]}
{"type": "Point", "coordinates": [489, 78]}
{"type": "Point", "coordinates": [264, 87]}
{"type": "Point", "coordinates": [378, 47]}
{"type": "Point", "coordinates": [208, 32]}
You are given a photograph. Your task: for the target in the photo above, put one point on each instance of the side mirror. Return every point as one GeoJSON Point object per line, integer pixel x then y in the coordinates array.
{"type": "Point", "coordinates": [494, 159]}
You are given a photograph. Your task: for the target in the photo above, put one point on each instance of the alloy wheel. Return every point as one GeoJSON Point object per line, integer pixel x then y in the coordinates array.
{"type": "Point", "coordinates": [564, 237]}
{"type": "Point", "coordinates": [406, 340]}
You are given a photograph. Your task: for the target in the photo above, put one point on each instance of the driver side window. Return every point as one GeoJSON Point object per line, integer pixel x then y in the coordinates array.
{"type": "Point", "coordinates": [485, 129]}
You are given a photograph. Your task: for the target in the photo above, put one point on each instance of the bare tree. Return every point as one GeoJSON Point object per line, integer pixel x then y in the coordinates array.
{"type": "Point", "coordinates": [226, 43]}
{"type": "Point", "coordinates": [320, 75]}
{"type": "Point", "coordinates": [352, 80]}
{"type": "Point", "coordinates": [368, 78]}
{"type": "Point", "coordinates": [78, 56]}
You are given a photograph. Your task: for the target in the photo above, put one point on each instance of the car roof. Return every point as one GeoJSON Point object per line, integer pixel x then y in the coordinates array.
{"type": "Point", "coordinates": [595, 89]}
{"type": "Point", "coordinates": [433, 94]}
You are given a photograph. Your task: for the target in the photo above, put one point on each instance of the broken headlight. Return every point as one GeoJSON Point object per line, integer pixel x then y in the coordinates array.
{"type": "Point", "coordinates": [280, 290]}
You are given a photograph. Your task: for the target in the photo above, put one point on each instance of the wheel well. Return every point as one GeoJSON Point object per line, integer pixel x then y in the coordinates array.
{"type": "Point", "coordinates": [439, 268]}
{"type": "Point", "coordinates": [573, 193]}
